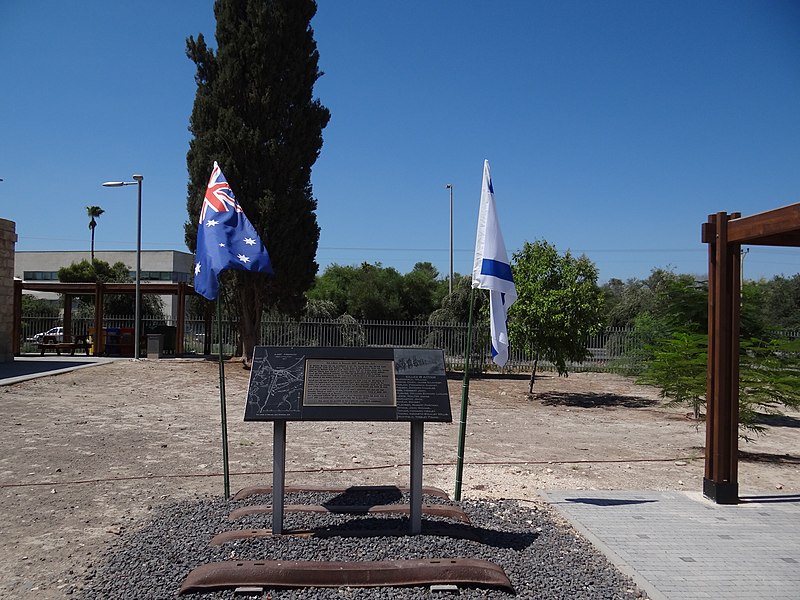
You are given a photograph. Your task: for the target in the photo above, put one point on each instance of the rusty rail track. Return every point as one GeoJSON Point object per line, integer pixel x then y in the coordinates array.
{"type": "Point", "coordinates": [295, 574]}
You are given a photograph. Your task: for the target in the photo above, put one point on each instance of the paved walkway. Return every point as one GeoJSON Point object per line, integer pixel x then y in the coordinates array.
{"type": "Point", "coordinates": [23, 368]}
{"type": "Point", "coordinates": [679, 545]}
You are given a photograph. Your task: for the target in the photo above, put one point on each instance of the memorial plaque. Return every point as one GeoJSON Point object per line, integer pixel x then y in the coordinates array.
{"type": "Point", "coordinates": [347, 384]}
{"type": "Point", "coordinates": [343, 382]}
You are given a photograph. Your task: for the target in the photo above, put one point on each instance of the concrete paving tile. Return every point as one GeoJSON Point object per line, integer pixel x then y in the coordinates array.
{"type": "Point", "coordinates": [679, 545]}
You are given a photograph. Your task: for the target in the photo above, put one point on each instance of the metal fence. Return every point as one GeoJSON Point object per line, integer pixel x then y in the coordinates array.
{"type": "Point", "coordinates": [617, 350]}
{"type": "Point", "coordinates": [612, 350]}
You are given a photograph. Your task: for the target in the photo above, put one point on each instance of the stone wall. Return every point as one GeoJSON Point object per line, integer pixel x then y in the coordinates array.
{"type": "Point", "coordinates": [8, 240]}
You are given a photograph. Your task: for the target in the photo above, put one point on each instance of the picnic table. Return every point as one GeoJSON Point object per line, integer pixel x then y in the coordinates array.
{"type": "Point", "coordinates": [51, 343]}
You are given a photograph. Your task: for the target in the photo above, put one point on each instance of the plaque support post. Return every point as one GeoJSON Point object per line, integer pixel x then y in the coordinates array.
{"type": "Point", "coordinates": [417, 429]}
{"type": "Point", "coordinates": [278, 474]}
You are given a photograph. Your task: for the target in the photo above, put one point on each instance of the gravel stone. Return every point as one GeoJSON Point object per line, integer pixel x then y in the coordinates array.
{"type": "Point", "coordinates": [543, 557]}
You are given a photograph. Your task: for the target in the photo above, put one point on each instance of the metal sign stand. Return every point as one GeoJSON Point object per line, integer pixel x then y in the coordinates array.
{"type": "Point", "coordinates": [417, 428]}
{"type": "Point", "coordinates": [279, 476]}
{"type": "Point", "coordinates": [347, 384]}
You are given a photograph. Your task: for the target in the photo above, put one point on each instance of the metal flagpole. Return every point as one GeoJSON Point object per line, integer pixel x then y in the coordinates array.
{"type": "Point", "coordinates": [223, 413]}
{"type": "Point", "coordinates": [462, 431]}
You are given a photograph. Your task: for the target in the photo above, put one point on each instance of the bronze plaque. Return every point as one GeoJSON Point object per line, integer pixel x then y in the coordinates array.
{"type": "Point", "coordinates": [349, 382]}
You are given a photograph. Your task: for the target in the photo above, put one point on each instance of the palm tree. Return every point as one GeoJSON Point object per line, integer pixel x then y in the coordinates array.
{"type": "Point", "coordinates": [93, 212]}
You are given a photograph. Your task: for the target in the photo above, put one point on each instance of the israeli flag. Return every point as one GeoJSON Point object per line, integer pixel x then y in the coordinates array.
{"type": "Point", "coordinates": [492, 271]}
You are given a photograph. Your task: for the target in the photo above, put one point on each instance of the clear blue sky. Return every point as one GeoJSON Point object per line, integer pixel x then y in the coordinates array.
{"type": "Point", "coordinates": [612, 128]}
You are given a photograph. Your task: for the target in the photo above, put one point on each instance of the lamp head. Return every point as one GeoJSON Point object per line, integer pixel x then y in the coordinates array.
{"type": "Point", "coordinates": [137, 177]}
{"type": "Point", "coordinates": [113, 184]}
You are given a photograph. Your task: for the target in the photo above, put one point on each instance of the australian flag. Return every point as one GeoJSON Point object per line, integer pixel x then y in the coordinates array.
{"type": "Point", "coordinates": [225, 238]}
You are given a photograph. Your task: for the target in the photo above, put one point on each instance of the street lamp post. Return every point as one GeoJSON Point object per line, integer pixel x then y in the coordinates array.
{"type": "Point", "coordinates": [450, 187]}
{"type": "Point", "coordinates": [137, 180]}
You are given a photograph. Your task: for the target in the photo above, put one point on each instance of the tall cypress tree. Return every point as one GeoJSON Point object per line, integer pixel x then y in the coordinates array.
{"type": "Point", "coordinates": [255, 114]}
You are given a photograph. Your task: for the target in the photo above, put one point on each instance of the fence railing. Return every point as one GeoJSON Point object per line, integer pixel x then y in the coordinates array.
{"type": "Point", "coordinates": [611, 350]}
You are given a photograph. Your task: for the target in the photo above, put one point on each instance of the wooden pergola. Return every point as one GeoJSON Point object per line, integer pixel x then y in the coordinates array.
{"type": "Point", "coordinates": [725, 233]}
{"type": "Point", "coordinates": [98, 290]}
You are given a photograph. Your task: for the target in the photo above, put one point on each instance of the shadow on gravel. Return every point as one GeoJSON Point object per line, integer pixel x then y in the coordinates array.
{"type": "Point", "coordinates": [786, 459]}
{"type": "Point", "coordinates": [512, 540]}
{"type": "Point", "coordinates": [777, 420]}
{"type": "Point", "coordinates": [588, 400]}
{"type": "Point", "coordinates": [359, 498]}
{"type": "Point", "coordinates": [607, 501]}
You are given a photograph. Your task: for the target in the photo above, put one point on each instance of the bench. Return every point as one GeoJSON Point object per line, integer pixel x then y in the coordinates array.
{"type": "Point", "coordinates": [50, 343]}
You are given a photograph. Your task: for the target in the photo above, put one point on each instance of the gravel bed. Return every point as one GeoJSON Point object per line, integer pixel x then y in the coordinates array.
{"type": "Point", "coordinates": [543, 557]}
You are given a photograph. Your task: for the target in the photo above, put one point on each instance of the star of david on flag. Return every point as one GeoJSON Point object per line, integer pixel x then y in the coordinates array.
{"type": "Point", "coordinates": [225, 238]}
{"type": "Point", "coordinates": [492, 271]}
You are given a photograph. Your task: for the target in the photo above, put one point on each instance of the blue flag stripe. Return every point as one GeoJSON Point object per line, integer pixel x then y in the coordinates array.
{"type": "Point", "coordinates": [495, 268]}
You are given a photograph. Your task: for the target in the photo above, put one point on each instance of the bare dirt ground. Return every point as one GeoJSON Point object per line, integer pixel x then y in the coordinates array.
{"type": "Point", "coordinates": [88, 454]}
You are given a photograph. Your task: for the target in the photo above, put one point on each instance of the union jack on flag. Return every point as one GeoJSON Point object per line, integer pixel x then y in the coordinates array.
{"type": "Point", "coordinates": [226, 239]}
{"type": "Point", "coordinates": [219, 194]}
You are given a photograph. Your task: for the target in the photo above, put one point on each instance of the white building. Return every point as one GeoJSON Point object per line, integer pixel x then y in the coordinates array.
{"type": "Point", "coordinates": [157, 265]}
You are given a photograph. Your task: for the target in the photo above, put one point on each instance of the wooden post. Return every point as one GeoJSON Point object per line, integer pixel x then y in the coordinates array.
{"type": "Point", "coordinates": [720, 483]}
{"type": "Point", "coordinates": [709, 236]}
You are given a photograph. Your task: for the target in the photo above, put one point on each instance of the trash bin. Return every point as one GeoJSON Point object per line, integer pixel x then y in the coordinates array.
{"type": "Point", "coordinates": [126, 341]}
{"type": "Point", "coordinates": [168, 334]}
{"type": "Point", "coordinates": [112, 341]}
{"type": "Point", "coordinates": [155, 345]}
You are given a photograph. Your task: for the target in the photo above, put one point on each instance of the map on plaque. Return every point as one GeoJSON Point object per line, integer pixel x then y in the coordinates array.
{"type": "Point", "coordinates": [347, 384]}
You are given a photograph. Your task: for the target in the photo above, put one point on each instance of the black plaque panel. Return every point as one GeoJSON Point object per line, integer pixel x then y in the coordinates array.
{"type": "Point", "coordinates": [347, 384]}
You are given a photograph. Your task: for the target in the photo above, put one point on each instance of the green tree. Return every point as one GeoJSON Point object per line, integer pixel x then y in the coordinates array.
{"type": "Point", "coordinates": [333, 286]}
{"type": "Point", "coordinates": [372, 291]}
{"type": "Point", "coordinates": [655, 308]}
{"type": "Point", "coordinates": [96, 270]}
{"type": "Point", "coordinates": [376, 294]}
{"type": "Point", "coordinates": [93, 212]}
{"type": "Point", "coordinates": [781, 302]}
{"type": "Point", "coordinates": [39, 307]}
{"type": "Point", "coordinates": [324, 310]}
{"type": "Point", "coordinates": [113, 304]}
{"type": "Point", "coordinates": [624, 301]}
{"type": "Point", "coordinates": [422, 291]}
{"type": "Point", "coordinates": [455, 307]}
{"type": "Point", "coordinates": [678, 367]}
{"type": "Point", "coordinates": [254, 113]}
{"type": "Point", "coordinates": [752, 317]}
{"type": "Point", "coordinates": [677, 301]}
{"type": "Point", "coordinates": [768, 376]}
{"type": "Point", "coordinates": [559, 305]}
